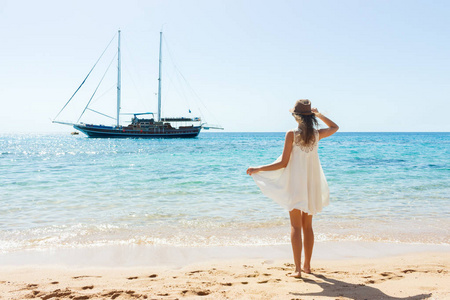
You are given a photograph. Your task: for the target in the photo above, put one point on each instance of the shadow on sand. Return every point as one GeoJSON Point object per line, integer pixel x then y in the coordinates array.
{"type": "Point", "coordinates": [336, 288]}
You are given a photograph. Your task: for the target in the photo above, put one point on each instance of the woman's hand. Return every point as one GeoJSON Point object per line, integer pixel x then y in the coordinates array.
{"type": "Point", "coordinates": [325, 132]}
{"type": "Point", "coordinates": [315, 111]}
{"type": "Point", "coordinates": [251, 171]}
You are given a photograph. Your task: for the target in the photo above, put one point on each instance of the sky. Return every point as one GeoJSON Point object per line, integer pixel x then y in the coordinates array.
{"type": "Point", "coordinates": [367, 65]}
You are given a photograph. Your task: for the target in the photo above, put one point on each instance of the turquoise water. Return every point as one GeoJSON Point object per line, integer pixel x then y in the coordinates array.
{"type": "Point", "coordinates": [62, 191]}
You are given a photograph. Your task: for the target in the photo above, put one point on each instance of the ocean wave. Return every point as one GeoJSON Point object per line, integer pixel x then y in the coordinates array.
{"type": "Point", "coordinates": [82, 235]}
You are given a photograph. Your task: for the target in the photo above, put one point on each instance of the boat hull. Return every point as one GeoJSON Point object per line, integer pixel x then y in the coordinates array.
{"type": "Point", "coordinates": [94, 131]}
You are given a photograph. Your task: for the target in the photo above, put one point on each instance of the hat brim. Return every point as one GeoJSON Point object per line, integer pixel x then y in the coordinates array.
{"type": "Point", "coordinates": [292, 110]}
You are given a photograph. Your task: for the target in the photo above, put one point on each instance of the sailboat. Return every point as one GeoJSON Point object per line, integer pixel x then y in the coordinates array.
{"type": "Point", "coordinates": [143, 125]}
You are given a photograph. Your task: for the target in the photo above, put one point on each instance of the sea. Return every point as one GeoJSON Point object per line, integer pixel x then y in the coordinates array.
{"type": "Point", "coordinates": [59, 191]}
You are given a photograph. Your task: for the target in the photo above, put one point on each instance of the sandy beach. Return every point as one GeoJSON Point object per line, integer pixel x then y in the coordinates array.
{"type": "Point", "coordinates": [408, 276]}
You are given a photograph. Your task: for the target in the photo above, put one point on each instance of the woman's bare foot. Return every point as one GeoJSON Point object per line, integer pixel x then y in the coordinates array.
{"type": "Point", "coordinates": [306, 269]}
{"type": "Point", "coordinates": [295, 274]}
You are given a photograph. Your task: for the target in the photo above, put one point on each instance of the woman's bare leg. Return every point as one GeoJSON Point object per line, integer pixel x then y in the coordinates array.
{"type": "Point", "coordinates": [308, 240]}
{"type": "Point", "coordinates": [296, 240]}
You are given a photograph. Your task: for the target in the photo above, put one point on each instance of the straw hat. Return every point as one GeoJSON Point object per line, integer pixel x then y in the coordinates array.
{"type": "Point", "coordinates": [302, 107]}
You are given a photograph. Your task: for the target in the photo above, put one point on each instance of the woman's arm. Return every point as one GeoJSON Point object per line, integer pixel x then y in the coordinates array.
{"type": "Point", "coordinates": [288, 141]}
{"type": "Point", "coordinates": [332, 127]}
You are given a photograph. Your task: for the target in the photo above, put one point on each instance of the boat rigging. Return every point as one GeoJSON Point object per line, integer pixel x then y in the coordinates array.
{"type": "Point", "coordinates": [140, 127]}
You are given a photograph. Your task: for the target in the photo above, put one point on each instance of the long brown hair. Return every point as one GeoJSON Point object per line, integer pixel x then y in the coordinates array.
{"type": "Point", "coordinates": [306, 124]}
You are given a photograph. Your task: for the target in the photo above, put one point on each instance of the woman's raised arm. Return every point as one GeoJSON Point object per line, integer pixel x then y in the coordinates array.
{"type": "Point", "coordinates": [332, 127]}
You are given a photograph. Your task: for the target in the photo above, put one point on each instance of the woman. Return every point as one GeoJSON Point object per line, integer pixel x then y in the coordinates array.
{"type": "Point", "coordinates": [296, 180]}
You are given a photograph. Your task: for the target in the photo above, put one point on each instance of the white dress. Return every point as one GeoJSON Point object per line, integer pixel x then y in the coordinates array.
{"type": "Point", "coordinates": [302, 184]}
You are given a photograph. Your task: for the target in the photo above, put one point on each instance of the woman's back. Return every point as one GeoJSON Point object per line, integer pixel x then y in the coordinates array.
{"type": "Point", "coordinates": [300, 143]}
{"type": "Point", "coordinates": [301, 184]}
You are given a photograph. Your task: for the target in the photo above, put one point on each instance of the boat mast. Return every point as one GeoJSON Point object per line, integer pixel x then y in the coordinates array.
{"type": "Point", "coordinates": [118, 82]}
{"type": "Point", "coordinates": [159, 79]}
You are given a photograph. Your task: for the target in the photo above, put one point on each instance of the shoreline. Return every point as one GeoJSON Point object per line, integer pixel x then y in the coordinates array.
{"type": "Point", "coordinates": [414, 275]}
{"type": "Point", "coordinates": [175, 257]}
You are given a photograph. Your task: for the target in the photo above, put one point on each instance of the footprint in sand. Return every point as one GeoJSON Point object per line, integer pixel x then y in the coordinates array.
{"type": "Point", "coordinates": [57, 294]}
{"type": "Point", "coordinates": [408, 271]}
{"type": "Point", "coordinates": [385, 276]}
{"type": "Point", "coordinates": [255, 274]}
{"type": "Point", "coordinates": [264, 281]}
{"type": "Point", "coordinates": [54, 282]}
{"type": "Point", "coordinates": [194, 272]}
{"type": "Point", "coordinates": [88, 287]}
{"type": "Point", "coordinates": [153, 276]}
{"type": "Point", "coordinates": [198, 293]}
{"type": "Point", "coordinates": [85, 297]}
{"type": "Point", "coordinates": [132, 278]}
{"type": "Point", "coordinates": [86, 276]}
{"type": "Point", "coordinates": [113, 294]}
{"type": "Point", "coordinates": [34, 294]}
{"type": "Point", "coordinates": [203, 293]}
{"type": "Point", "coordinates": [289, 265]}
{"type": "Point", "coordinates": [227, 284]}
